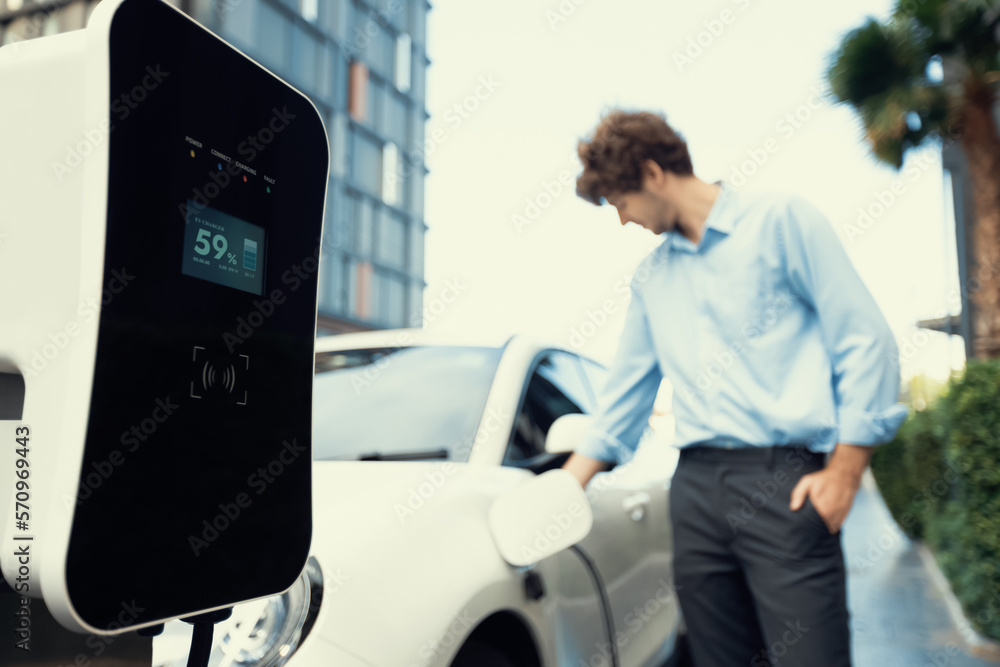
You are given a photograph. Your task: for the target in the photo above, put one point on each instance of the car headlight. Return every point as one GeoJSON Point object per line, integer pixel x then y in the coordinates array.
{"type": "Point", "coordinates": [262, 633]}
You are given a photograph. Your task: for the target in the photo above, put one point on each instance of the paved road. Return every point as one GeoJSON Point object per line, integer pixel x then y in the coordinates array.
{"type": "Point", "coordinates": [899, 616]}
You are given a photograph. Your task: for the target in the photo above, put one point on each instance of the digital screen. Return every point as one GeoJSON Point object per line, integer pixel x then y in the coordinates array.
{"type": "Point", "coordinates": [223, 249]}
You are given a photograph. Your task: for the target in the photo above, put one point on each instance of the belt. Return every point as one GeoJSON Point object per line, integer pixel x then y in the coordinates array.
{"type": "Point", "coordinates": [747, 454]}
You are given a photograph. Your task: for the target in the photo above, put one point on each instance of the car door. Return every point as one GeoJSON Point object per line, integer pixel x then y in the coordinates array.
{"type": "Point", "coordinates": [554, 387]}
{"type": "Point", "coordinates": [631, 542]}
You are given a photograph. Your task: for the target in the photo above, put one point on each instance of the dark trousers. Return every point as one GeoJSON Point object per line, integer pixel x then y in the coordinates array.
{"type": "Point", "coordinates": [758, 584]}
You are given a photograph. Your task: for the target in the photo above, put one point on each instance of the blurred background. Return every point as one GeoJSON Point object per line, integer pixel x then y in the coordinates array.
{"type": "Point", "coordinates": [453, 130]}
{"type": "Point", "coordinates": [451, 206]}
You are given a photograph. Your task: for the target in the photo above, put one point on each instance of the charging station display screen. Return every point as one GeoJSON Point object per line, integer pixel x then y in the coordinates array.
{"type": "Point", "coordinates": [223, 249]}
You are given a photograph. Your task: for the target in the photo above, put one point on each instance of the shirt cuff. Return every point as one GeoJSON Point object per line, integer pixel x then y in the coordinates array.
{"type": "Point", "coordinates": [603, 447]}
{"type": "Point", "coordinates": [858, 427]}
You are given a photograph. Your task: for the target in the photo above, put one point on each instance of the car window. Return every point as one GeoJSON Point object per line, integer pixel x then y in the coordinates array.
{"type": "Point", "coordinates": [400, 403]}
{"type": "Point", "coordinates": [556, 388]}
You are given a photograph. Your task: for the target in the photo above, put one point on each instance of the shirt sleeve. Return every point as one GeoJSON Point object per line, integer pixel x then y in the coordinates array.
{"type": "Point", "coordinates": [626, 401]}
{"type": "Point", "coordinates": [863, 352]}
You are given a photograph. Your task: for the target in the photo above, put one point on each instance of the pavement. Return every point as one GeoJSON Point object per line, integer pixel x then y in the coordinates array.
{"type": "Point", "coordinates": [899, 615]}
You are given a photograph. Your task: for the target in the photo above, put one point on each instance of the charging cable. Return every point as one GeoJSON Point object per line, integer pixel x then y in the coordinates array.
{"type": "Point", "coordinates": [201, 637]}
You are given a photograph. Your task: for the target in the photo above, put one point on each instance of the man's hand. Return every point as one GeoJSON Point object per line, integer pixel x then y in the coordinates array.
{"type": "Point", "coordinates": [833, 488]}
{"type": "Point", "coordinates": [583, 467]}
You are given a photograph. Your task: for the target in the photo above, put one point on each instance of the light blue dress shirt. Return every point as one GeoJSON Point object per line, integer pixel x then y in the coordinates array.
{"type": "Point", "coordinates": [765, 330]}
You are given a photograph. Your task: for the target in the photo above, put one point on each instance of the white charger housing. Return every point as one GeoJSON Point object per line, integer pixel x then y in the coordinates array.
{"type": "Point", "coordinates": [163, 203]}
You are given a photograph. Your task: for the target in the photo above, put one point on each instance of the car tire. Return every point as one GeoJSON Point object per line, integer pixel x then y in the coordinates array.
{"type": "Point", "coordinates": [478, 654]}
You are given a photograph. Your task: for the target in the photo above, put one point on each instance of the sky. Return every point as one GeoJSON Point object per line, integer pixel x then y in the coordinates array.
{"type": "Point", "coordinates": [512, 87]}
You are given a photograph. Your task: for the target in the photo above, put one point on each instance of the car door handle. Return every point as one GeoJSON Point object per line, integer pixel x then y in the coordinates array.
{"type": "Point", "coordinates": [635, 505]}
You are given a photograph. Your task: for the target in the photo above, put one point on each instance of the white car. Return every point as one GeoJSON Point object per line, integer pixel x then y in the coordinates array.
{"type": "Point", "coordinates": [416, 439]}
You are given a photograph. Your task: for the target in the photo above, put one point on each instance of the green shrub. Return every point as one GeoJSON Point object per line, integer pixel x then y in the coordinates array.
{"type": "Point", "coordinates": [908, 471]}
{"type": "Point", "coordinates": [940, 478]}
{"type": "Point", "coordinates": [970, 535]}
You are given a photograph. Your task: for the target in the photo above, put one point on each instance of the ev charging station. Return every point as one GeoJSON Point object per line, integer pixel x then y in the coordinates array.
{"type": "Point", "coordinates": [161, 206]}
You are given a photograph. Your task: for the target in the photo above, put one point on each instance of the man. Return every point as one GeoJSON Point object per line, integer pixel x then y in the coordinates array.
{"type": "Point", "coordinates": [784, 375]}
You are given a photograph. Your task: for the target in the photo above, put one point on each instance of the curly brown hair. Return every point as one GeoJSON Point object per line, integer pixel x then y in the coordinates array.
{"type": "Point", "coordinates": [612, 160]}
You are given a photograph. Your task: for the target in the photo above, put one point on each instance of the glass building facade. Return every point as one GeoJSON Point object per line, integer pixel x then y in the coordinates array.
{"type": "Point", "coordinates": [364, 66]}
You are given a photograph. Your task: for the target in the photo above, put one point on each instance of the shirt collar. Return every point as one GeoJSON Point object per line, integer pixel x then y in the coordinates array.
{"type": "Point", "coordinates": [717, 220]}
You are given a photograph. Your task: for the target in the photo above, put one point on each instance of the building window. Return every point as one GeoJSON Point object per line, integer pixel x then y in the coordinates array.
{"type": "Point", "coordinates": [357, 92]}
{"type": "Point", "coordinates": [365, 226]}
{"type": "Point", "coordinates": [367, 167]}
{"type": "Point", "coordinates": [376, 45]}
{"type": "Point", "coordinates": [392, 240]}
{"type": "Point", "coordinates": [344, 205]}
{"type": "Point", "coordinates": [404, 48]}
{"type": "Point", "coordinates": [396, 117]}
{"type": "Point", "coordinates": [418, 16]}
{"type": "Point", "coordinates": [272, 37]}
{"type": "Point", "coordinates": [391, 174]}
{"type": "Point", "coordinates": [419, 79]}
{"type": "Point", "coordinates": [309, 9]}
{"type": "Point", "coordinates": [362, 280]}
{"type": "Point", "coordinates": [338, 145]}
{"type": "Point", "coordinates": [305, 60]}
{"type": "Point", "coordinates": [416, 184]}
{"type": "Point", "coordinates": [337, 78]}
{"type": "Point", "coordinates": [336, 17]}
{"type": "Point", "coordinates": [416, 248]}
{"type": "Point", "coordinates": [393, 300]}
{"type": "Point", "coordinates": [238, 21]}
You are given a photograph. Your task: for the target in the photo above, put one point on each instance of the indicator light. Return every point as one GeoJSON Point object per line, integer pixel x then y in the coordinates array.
{"type": "Point", "coordinates": [192, 152]}
{"type": "Point", "coordinates": [244, 179]}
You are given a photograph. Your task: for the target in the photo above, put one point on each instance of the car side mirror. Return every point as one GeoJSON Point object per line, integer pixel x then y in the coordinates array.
{"type": "Point", "coordinates": [566, 432]}
{"type": "Point", "coordinates": [540, 517]}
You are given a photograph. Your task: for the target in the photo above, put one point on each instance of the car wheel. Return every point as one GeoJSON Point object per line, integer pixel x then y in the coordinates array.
{"type": "Point", "coordinates": [478, 654]}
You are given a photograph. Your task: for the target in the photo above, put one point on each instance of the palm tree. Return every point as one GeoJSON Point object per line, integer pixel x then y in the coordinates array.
{"type": "Point", "coordinates": [886, 71]}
